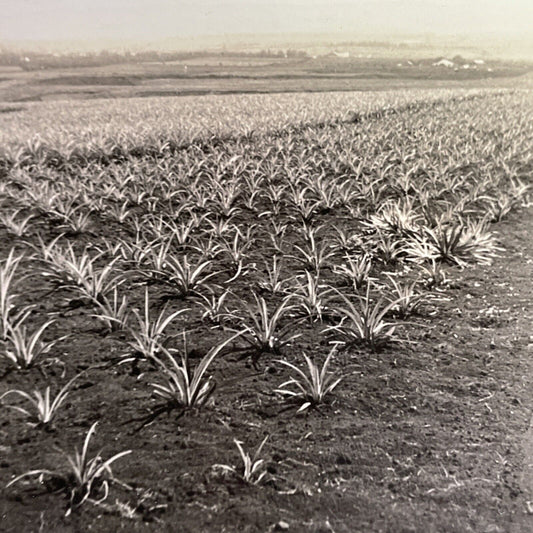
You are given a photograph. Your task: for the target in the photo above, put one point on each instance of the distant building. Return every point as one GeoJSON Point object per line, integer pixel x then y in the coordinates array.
{"type": "Point", "coordinates": [479, 62]}
{"type": "Point", "coordinates": [343, 55]}
{"type": "Point", "coordinates": [444, 63]}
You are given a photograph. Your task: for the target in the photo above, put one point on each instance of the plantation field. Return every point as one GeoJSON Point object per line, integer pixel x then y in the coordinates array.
{"type": "Point", "coordinates": [302, 312]}
{"type": "Point", "coordinates": [104, 128]}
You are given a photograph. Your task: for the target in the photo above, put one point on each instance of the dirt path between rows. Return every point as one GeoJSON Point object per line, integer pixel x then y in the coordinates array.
{"type": "Point", "coordinates": [514, 295]}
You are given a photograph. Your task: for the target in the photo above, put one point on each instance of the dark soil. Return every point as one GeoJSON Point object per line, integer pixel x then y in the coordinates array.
{"type": "Point", "coordinates": [425, 438]}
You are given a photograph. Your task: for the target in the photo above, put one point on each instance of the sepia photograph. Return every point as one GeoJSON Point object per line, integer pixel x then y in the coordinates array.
{"type": "Point", "coordinates": [266, 266]}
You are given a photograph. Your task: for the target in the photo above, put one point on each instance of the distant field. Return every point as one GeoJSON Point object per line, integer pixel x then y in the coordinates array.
{"type": "Point", "coordinates": [229, 75]}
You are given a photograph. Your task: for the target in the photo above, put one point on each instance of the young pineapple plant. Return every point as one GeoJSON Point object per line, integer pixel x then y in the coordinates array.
{"type": "Point", "coordinates": [263, 330]}
{"type": "Point", "coordinates": [396, 218]}
{"type": "Point", "coordinates": [313, 256]}
{"type": "Point", "coordinates": [214, 307]}
{"type": "Point", "coordinates": [462, 243]}
{"type": "Point", "coordinates": [309, 389]}
{"type": "Point", "coordinates": [276, 233]}
{"type": "Point", "coordinates": [149, 335]}
{"type": "Point", "coordinates": [69, 270]}
{"type": "Point", "coordinates": [347, 241]}
{"type": "Point", "coordinates": [8, 282]}
{"type": "Point", "coordinates": [78, 222]}
{"type": "Point", "coordinates": [407, 296]}
{"type": "Point", "coordinates": [24, 349]}
{"type": "Point", "coordinates": [181, 386]}
{"type": "Point", "coordinates": [355, 271]}
{"type": "Point", "coordinates": [113, 312]}
{"type": "Point", "coordinates": [86, 479]}
{"type": "Point", "coordinates": [44, 409]}
{"type": "Point", "coordinates": [389, 249]}
{"type": "Point", "coordinates": [189, 277]}
{"type": "Point", "coordinates": [273, 281]}
{"type": "Point", "coordinates": [312, 297]}
{"type": "Point", "coordinates": [15, 223]}
{"type": "Point", "coordinates": [365, 323]}
{"type": "Point", "coordinates": [252, 471]}
{"type": "Point", "coordinates": [500, 206]}
{"type": "Point", "coordinates": [434, 275]}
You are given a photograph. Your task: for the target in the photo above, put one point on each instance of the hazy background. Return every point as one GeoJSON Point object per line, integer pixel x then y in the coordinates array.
{"type": "Point", "coordinates": [96, 22]}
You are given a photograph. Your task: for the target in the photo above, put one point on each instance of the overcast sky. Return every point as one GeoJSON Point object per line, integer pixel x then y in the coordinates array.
{"type": "Point", "coordinates": [155, 19]}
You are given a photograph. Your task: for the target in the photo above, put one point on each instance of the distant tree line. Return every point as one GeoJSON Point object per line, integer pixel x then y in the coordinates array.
{"type": "Point", "coordinates": [37, 61]}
